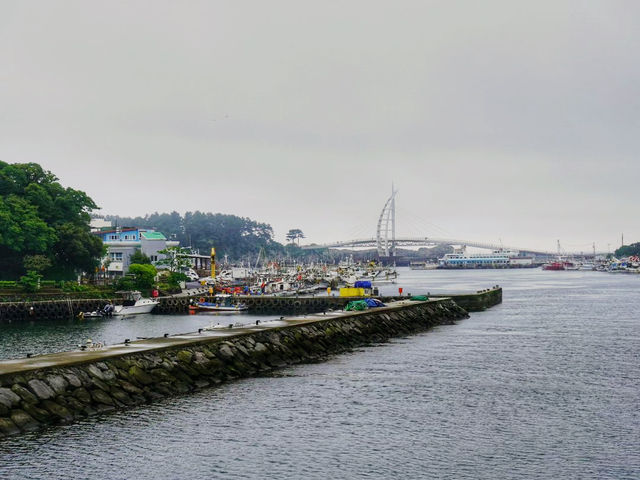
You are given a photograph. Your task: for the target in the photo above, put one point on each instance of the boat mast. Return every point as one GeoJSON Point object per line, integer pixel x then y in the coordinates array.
{"type": "Point", "coordinates": [393, 221]}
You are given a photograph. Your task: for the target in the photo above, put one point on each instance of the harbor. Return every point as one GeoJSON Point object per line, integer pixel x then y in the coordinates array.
{"type": "Point", "coordinates": [546, 324]}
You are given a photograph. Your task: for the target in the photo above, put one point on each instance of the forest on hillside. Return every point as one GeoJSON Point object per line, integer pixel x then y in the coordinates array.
{"type": "Point", "coordinates": [628, 250]}
{"type": "Point", "coordinates": [238, 238]}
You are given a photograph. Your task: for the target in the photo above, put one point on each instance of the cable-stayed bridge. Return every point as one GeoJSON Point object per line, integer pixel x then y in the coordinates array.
{"type": "Point", "coordinates": [373, 242]}
{"type": "Point", "coordinates": [386, 241]}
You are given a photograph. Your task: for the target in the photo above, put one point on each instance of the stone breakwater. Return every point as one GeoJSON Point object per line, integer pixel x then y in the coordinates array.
{"type": "Point", "coordinates": [62, 388]}
{"type": "Point", "coordinates": [478, 301]}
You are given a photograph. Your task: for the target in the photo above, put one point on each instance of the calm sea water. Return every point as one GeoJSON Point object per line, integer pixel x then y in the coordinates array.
{"type": "Point", "coordinates": [545, 385]}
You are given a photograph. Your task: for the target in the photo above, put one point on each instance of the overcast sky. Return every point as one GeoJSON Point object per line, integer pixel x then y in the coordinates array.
{"type": "Point", "coordinates": [497, 120]}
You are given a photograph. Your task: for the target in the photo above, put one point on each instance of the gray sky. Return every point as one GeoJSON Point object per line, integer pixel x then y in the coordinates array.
{"type": "Point", "coordinates": [496, 120]}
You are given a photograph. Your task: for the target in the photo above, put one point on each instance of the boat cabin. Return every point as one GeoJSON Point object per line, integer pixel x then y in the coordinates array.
{"type": "Point", "coordinates": [129, 297]}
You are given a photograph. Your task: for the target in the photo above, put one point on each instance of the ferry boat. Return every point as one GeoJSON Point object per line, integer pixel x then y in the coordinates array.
{"type": "Point", "coordinates": [462, 259]}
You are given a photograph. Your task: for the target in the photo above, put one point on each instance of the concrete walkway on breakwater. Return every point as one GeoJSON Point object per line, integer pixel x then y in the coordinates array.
{"type": "Point", "coordinates": [64, 359]}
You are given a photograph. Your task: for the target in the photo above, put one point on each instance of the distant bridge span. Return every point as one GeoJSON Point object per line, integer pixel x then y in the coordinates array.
{"type": "Point", "coordinates": [386, 241]}
{"type": "Point", "coordinates": [424, 242]}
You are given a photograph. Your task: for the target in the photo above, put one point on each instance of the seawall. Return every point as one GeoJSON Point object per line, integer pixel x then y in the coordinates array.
{"type": "Point", "coordinates": [478, 301]}
{"type": "Point", "coordinates": [62, 388]}
{"type": "Point", "coordinates": [259, 304]}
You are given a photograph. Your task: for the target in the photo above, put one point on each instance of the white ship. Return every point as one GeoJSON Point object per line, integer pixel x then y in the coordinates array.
{"type": "Point", "coordinates": [494, 259]}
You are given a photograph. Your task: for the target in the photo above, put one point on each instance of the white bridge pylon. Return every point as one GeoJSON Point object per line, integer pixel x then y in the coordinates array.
{"type": "Point", "coordinates": [387, 246]}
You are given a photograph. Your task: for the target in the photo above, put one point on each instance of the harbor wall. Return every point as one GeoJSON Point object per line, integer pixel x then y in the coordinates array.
{"type": "Point", "coordinates": [295, 304]}
{"type": "Point", "coordinates": [476, 302]}
{"type": "Point", "coordinates": [63, 388]}
{"type": "Point", "coordinates": [258, 304]}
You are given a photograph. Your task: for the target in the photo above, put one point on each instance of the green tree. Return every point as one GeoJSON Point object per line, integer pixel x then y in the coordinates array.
{"type": "Point", "coordinates": [139, 277]}
{"type": "Point", "coordinates": [140, 258]}
{"type": "Point", "coordinates": [21, 229]}
{"type": "Point", "coordinates": [126, 283]}
{"type": "Point", "coordinates": [38, 216]}
{"type": "Point", "coordinates": [144, 274]}
{"type": "Point", "coordinates": [294, 234]}
{"type": "Point", "coordinates": [175, 259]}
{"type": "Point", "coordinates": [36, 263]}
{"type": "Point", "coordinates": [174, 279]}
{"type": "Point", "coordinates": [628, 250]}
{"type": "Point", "coordinates": [30, 282]}
{"type": "Point", "coordinates": [76, 250]}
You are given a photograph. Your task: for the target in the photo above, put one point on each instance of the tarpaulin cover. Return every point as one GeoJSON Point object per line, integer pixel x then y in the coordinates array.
{"type": "Point", "coordinates": [374, 302]}
{"type": "Point", "coordinates": [362, 284]}
{"type": "Point", "coordinates": [419, 298]}
{"type": "Point", "coordinates": [356, 305]}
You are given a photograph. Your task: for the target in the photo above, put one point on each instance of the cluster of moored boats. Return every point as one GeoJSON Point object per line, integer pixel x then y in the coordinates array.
{"type": "Point", "coordinates": [272, 279]}
{"type": "Point", "coordinates": [612, 265]}
{"type": "Point", "coordinates": [275, 279]}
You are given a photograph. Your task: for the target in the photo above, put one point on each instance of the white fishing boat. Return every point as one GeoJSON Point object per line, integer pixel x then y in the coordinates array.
{"type": "Point", "coordinates": [133, 304]}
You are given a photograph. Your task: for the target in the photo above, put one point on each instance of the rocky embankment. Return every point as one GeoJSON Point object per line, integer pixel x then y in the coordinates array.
{"type": "Point", "coordinates": [32, 397]}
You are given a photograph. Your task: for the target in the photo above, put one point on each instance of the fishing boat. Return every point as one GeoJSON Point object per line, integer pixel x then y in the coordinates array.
{"type": "Point", "coordinates": [134, 303]}
{"type": "Point", "coordinates": [221, 303]}
{"type": "Point", "coordinates": [422, 266]}
{"type": "Point", "coordinates": [571, 265]}
{"type": "Point", "coordinates": [106, 311]}
{"type": "Point", "coordinates": [553, 266]}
